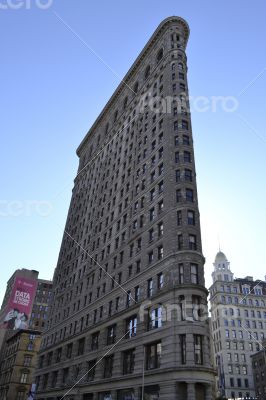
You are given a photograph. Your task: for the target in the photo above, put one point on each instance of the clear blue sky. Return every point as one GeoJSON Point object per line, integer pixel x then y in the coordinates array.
{"type": "Point", "coordinates": [53, 88]}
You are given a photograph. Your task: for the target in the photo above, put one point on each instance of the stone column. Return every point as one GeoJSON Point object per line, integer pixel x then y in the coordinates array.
{"type": "Point", "coordinates": [168, 391]}
{"type": "Point", "coordinates": [113, 394]}
{"type": "Point", "coordinates": [190, 349]}
{"type": "Point", "coordinates": [208, 392]}
{"type": "Point", "coordinates": [188, 308]}
{"type": "Point", "coordinates": [191, 393]}
{"type": "Point", "coordinates": [206, 351]}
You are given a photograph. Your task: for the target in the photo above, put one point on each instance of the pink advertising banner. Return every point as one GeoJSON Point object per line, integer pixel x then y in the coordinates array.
{"type": "Point", "coordinates": [20, 304]}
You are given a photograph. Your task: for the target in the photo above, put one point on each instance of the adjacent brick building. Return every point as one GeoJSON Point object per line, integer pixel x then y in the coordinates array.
{"type": "Point", "coordinates": [18, 364]}
{"type": "Point", "coordinates": [41, 304]}
{"type": "Point", "coordinates": [19, 347]}
{"type": "Point", "coordinates": [131, 249]}
{"type": "Point", "coordinates": [238, 314]}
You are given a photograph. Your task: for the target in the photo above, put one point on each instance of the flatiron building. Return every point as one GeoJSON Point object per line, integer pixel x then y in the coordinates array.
{"type": "Point", "coordinates": [128, 319]}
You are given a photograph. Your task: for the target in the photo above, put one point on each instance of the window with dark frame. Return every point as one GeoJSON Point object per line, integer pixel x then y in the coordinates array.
{"type": "Point", "coordinates": [194, 275]}
{"type": "Point", "coordinates": [183, 350]}
{"type": "Point", "coordinates": [153, 355]}
{"type": "Point", "coordinates": [128, 361]}
{"type": "Point", "coordinates": [108, 366]}
{"type": "Point", "coordinates": [131, 326]}
{"type": "Point", "coordinates": [198, 350]}
{"type": "Point", "coordinates": [111, 334]}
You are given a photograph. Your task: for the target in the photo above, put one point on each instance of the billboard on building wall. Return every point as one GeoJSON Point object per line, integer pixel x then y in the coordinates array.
{"type": "Point", "coordinates": [19, 307]}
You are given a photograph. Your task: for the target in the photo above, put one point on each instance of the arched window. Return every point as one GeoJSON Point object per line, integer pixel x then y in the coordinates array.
{"type": "Point", "coordinates": [160, 55]}
{"type": "Point", "coordinates": [115, 115]}
{"type": "Point", "coordinates": [136, 87]}
{"type": "Point", "coordinates": [106, 128]}
{"type": "Point", "coordinates": [180, 66]}
{"type": "Point", "coordinates": [147, 71]}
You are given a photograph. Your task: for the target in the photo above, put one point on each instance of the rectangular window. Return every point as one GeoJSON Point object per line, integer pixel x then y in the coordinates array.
{"type": "Point", "coordinates": [188, 175]}
{"type": "Point", "coordinates": [24, 377]}
{"type": "Point", "coordinates": [153, 355]}
{"type": "Point", "coordinates": [186, 140]}
{"type": "Point", "coordinates": [194, 275]}
{"type": "Point", "coordinates": [149, 287]}
{"type": "Point", "coordinates": [152, 194]}
{"type": "Point", "coordinates": [128, 361]}
{"type": "Point", "coordinates": [110, 308]}
{"type": "Point", "coordinates": [108, 366]}
{"type": "Point", "coordinates": [152, 214]}
{"type": "Point", "coordinates": [184, 124]}
{"type": "Point", "coordinates": [138, 264]}
{"type": "Point", "coordinates": [137, 293]}
{"type": "Point", "coordinates": [178, 195]}
{"type": "Point", "coordinates": [81, 346]}
{"type": "Point", "coordinates": [154, 318]}
{"type": "Point", "coordinates": [150, 257]}
{"type": "Point", "coordinates": [128, 301]}
{"type": "Point", "coordinates": [192, 242]}
{"type": "Point", "coordinates": [179, 217]}
{"type": "Point", "coordinates": [177, 176]}
{"type": "Point", "coordinates": [160, 229]}
{"type": "Point", "coordinates": [189, 195]}
{"type": "Point", "coordinates": [187, 157]}
{"type": "Point", "coordinates": [180, 241]}
{"type": "Point", "coordinates": [160, 206]}
{"type": "Point", "coordinates": [191, 217]}
{"type": "Point", "coordinates": [27, 361]}
{"type": "Point", "coordinates": [198, 349]}
{"type": "Point", "coordinates": [160, 252]}
{"type": "Point", "coordinates": [58, 355]}
{"type": "Point", "coordinates": [160, 280]}
{"type": "Point", "coordinates": [181, 273]}
{"type": "Point", "coordinates": [183, 348]}
{"type": "Point", "coordinates": [91, 368]}
{"type": "Point", "coordinates": [54, 378]}
{"type": "Point", "coordinates": [111, 334]}
{"type": "Point", "coordinates": [131, 327]}
{"type": "Point", "coordinates": [94, 341]}
{"type": "Point", "coordinates": [117, 300]}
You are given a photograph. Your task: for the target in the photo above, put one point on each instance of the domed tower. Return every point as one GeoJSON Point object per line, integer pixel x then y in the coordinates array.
{"type": "Point", "coordinates": [222, 270]}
